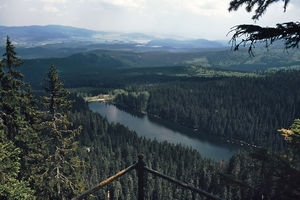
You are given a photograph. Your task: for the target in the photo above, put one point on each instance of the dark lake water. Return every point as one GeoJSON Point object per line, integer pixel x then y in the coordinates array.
{"type": "Point", "coordinates": [153, 128]}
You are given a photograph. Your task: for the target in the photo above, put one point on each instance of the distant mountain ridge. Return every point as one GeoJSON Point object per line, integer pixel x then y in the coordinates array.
{"type": "Point", "coordinates": [32, 36]}
{"type": "Point", "coordinates": [40, 35]}
{"type": "Point", "coordinates": [199, 43]}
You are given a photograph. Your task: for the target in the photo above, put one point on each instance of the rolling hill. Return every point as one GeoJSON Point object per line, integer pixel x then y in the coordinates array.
{"type": "Point", "coordinates": [35, 36]}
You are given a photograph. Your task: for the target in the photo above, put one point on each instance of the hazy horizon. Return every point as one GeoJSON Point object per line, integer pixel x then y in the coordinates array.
{"type": "Point", "coordinates": [191, 19]}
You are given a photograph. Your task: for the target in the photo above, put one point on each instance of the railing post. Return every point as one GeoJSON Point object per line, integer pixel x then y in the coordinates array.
{"type": "Point", "coordinates": [140, 173]}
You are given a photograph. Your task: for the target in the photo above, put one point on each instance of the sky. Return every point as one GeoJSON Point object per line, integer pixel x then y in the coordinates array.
{"type": "Point", "coordinates": [207, 19]}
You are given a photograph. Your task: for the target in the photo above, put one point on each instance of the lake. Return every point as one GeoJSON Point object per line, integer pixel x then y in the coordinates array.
{"type": "Point", "coordinates": [153, 128]}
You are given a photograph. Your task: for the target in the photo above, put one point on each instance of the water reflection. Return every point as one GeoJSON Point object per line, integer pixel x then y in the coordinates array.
{"type": "Point", "coordinates": [161, 130]}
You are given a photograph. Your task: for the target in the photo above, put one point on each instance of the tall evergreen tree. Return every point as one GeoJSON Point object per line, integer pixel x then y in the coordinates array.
{"type": "Point", "coordinates": [63, 168]}
{"type": "Point", "coordinates": [10, 186]}
{"type": "Point", "coordinates": [11, 92]}
{"type": "Point", "coordinates": [16, 141]}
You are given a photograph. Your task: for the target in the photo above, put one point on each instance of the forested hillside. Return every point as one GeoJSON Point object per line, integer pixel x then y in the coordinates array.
{"type": "Point", "coordinates": [49, 151]}
{"type": "Point", "coordinates": [111, 147]}
{"type": "Point", "coordinates": [245, 108]}
{"type": "Point", "coordinates": [192, 101]}
{"type": "Point", "coordinates": [116, 68]}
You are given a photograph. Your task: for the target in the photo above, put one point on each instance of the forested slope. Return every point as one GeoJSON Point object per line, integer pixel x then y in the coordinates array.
{"type": "Point", "coordinates": [249, 109]}
{"type": "Point", "coordinates": [49, 152]}
{"type": "Point", "coordinates": [108, 148]}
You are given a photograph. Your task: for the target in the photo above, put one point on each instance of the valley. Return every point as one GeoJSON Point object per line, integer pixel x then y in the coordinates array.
{"type": "Point", "coordinates": [178, 86]}
{"type": "Point", "coordinates": [197, 110]}
{"type": "Point", "coordinates": [158, 129]}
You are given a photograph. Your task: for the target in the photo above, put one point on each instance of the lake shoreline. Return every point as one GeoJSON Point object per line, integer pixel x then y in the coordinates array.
{"type": "Point", "coordinates": [197, 131]}
{"type": "Point", "coordinates": [157, 128]}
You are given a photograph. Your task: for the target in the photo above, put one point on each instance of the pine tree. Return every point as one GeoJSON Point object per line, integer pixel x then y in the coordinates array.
{"type": "Point", "coordinates": [18, 131]}
{"type": "Point", "coordinates": [33, 154]}
{"type": "Point", "coordinates": [63, 168]}
{"type": "Point", "coordinates": [11, 92]}
{"type": "Point", "coordinates": [10, 186]}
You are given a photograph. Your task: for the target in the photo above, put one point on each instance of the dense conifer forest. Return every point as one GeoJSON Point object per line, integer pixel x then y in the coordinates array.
{"type": "Point", "coordinates": [111, 147]}
{"type": "Point", "coordinates": [241, 108]}
{"type": "Point", "coordinates": [53, 147]}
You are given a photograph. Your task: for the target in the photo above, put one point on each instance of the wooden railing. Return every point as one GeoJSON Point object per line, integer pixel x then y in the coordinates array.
{"type": "Point", "coordinates": [141, 169]}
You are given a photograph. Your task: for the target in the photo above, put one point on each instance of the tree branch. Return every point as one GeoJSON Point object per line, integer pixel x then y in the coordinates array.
{"type": "Point", "coordinates": [262, 6]}
{"type": "Point", "coordinates": [288, 32]}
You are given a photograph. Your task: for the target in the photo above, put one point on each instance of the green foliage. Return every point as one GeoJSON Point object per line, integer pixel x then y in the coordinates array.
{"type": "Point", "coordinates": [56, 101]}
{"type": "Point", "coordinates": [10, 187]}
{"type": "Point", "coordinates": [42, 155]}
{"type": "Point", "coordinates": [18, 120]}
{"type": "Point", "coordinates": [63, 167]}
{"type": "Point", "coordinates": [110, 148]}
{"type": "Point", "coordinates": [247, 108]}
{"type": "Point", "coordinates": [290, 167]}
{"type": "Point", "coordinates": [273, 175]}
{"type": "Point", "coordinates": [11, 92]}
{"type": "Point", "coordinates": [153, 67]}
{"type": "Point", "coordinates": [295, 128]}
{"type": "Point", "coordinates": [292, 136]}
{"type": "Point", "coordinates": [137, 101]}
{"type": "Point", "coordinates": [34, 143]}
{"type": "Point", "coordinates": [11, 60]}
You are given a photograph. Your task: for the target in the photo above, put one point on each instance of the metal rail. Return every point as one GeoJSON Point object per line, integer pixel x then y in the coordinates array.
{"type": "Point", "coordinates": [140, 173]}
{"type": "Point", "coordinates": [141, 168]}
{"type": "Point", "coordinates": [182, 184]}
{"type": "Point", "coordinates": [105, 182]}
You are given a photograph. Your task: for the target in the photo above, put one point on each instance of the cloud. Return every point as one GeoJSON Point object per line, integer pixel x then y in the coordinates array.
{"type": "Point", "coordinates": [55, 1]}
{"type": "Point", "coordinates": [32, 10]}
{"type": "Point", "coordinates": [294, 3]}
{"type": "Point", "coordinates": [50, 9]}
{"type": "Point", "coordinates": [3, 6]}
{"type": "Point", "coordinates": [198, 7]}
{"type": "Point", "coordinates": [205, 8]}
{"type": "Point", "coordinates": [136, 4]}
{"type": "Point", "coordinates": [196, 18]}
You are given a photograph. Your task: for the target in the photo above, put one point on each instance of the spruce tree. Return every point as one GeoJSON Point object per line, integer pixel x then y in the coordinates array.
{"type": "Point", "coordinates": [63, 168]}
{"type": "Point", "coordinates": [10, 186]}
{"type": "Point", "coordinates": [16, 109]}
{"type": "Point", "coordinates": [11, 92]}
